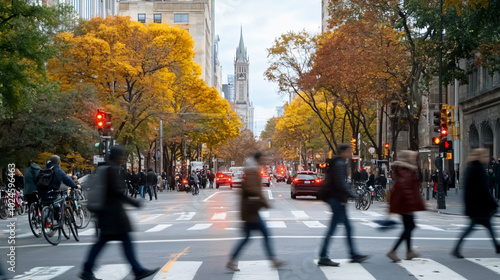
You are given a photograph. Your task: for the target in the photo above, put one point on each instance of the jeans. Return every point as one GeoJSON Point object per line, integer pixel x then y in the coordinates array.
{"type": "Point", "coordinates": [486, 223]}
{"type": "Point", "coordinates": [128, 249]}
{"type": "Point", "coordinates": [409, 226]}
{"type": "Point", "coordinates": [146, 189]}
{"type": "Point", "coordinates": [339, 216]}
{"type": "Point", "coordinates": [259, 225]}
{"type": "Point", "coordinates": [152, 190]}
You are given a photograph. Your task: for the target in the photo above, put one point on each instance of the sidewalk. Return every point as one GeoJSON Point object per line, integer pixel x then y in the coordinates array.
{"type": "Point", "coordinates": [454, 204]}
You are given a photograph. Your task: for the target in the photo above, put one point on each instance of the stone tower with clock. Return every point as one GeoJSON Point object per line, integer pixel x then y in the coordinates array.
{"type": "Point", "coordinates": [241, 87]}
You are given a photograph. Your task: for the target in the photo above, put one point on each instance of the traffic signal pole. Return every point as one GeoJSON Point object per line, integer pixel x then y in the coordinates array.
{"type": "Point", "coordinates": [441, 201]}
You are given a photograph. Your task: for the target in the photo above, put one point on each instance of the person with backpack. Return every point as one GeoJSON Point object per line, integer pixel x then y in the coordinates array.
{"type": "Point", "coordinates": [152, 180]}
{"type": "Point", "coordinates": [50, 179]}
{"type": "Point", "coordinates": [30, 174]}
{"type": "Point", "coordinates": [335, 192]}
{"type": "Point", "coordinates": [112, 220]}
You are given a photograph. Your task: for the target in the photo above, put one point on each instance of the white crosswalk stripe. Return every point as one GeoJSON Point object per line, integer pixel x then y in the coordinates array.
{"type": "Point", "coordinates": [276, 224]}
{"type": "Point", "coordinates": [429, 269]}
{"type": "Point", "coordinates": [346, 271]}
{"type": "Point", "coordinates": [178, 271]}
{"type": "Point", "coordinates": [200, 227]}
{"type": "Point", "coordinates": [490, 263]}
{"type": "Point", "coordinates": [149, 218]}
{"type": "Point", "coordinates": [420, 268]}
{"type": "Point", "coordinates": [256, 270]}
{"type": "Point", "coordinates": [159, 228]}
{"type": "Point", "coordinates": [313, 224]}
{"type": "Point", "coordinates": [300, 215]}
{"type": "Point", "coordinates": [265, 214]}
{"type": "Point", "coordinates": [112, 271]}
{"type": "Point", "coordinates": [429, 227]}
{"type": "Point", "coordinates": [219, 216]}
{"type": "Point", "coordinates": [43, 273]}
{"type": "Point", "coordinates": [186, 216]}
{"type": "Point", "coordinates": [87, 232]}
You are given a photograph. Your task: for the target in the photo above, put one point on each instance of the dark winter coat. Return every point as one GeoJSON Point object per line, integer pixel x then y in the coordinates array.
{"type": "Point", "coordinates": [478, 200]}
{"type": "Point", "coordinates": [58, 177]}
{"type": "Point", "coordinates": [30, 175]}
{"type": "Point", "coordinates": [113, 219]}
{"type": "Point", "coordinates": [252, 198]}
{"type": "Point", "coordinates": [405, 194]}
{"type": "Point", "coordinates": [335, 183]}
{"type": "Point", "coordinates": [152, 179]}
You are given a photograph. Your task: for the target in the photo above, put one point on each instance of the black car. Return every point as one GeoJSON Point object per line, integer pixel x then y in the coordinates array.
{"type": "Point", "coordinates": [305, 183]}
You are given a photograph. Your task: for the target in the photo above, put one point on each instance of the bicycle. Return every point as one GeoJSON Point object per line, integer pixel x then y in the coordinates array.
{"type": "Point", "coordinates": [35, 217]}
{"type": "Point", "coordinates": [378, 193]}
{"type": "Point", "coordinates": [364, 199]}
{"type": "Point", "coordinates": [65, 220]}
{"type": "Point", "coordinates": [80, 212]}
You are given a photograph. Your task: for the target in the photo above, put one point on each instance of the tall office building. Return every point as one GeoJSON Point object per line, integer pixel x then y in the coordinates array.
{"type": "Point", "coordinates": [87, 9]}
{"type": "Point", "coordinates": [196, 16]}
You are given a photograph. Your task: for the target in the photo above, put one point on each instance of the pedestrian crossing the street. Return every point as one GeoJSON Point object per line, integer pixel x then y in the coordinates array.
{"type": "Point", "coordinates": [420, 268]}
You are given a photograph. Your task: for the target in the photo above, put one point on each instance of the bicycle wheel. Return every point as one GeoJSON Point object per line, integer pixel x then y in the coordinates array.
{"type": "Point", "coordinates": [64, 222]}
{"type": "Point", "coordinates": [86, 214]}
{"type": "Point", "coordinates": [367, 200]}
{"type": "Point", "coordinates": [4, 211]}
{"type": "Point", "coordinates": [35, 219]}
{"type": "Point", "coordinates": [69, 220]}
{"type": "Point", "coordinates": [357, 203]}
{"type": "Point", "coordinates": [51, 232]}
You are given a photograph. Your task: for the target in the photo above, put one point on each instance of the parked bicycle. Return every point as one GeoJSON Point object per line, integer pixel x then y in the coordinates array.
{"type": "Point", "coordinates": [364, 199]}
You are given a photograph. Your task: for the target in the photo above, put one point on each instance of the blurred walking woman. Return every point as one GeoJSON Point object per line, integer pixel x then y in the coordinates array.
{"type": "Point", "coordinates": [405, 199]}
{"type": "Point", "coordinates": [479, 204]}
{"type": "Point", "coordinates": [252, 200]}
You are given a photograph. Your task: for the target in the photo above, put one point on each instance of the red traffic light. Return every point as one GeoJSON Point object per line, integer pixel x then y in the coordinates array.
{"type": "Point", "coordinates": [387, 145]}
{"type": "Point", "coordinates": [100, 118]}
{"type": "Point", "coordinates": [436, 140]}
{"type": "Point", "coordinates": [444, 131]}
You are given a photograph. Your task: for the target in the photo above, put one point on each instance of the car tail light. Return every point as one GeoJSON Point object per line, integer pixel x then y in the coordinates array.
{"type": "Point", "coordinates": [244, 175]}
{"type": "Point", "coordinates": [295, 180]}
{"type": "Point", "coordinates": [229, 179]}
{"type": "Point", "coordinates": [184, 181]}
{"type": "Point", "coordinates": [318, 180]}
{"type": "Point", "coordinates": [217, 179]}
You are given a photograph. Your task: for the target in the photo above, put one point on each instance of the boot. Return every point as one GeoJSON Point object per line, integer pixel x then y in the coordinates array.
{"type": "Point", "coordinates": [278, 263]}
{"type": "Point", "coordinates": [456, 253]}
{"type": "Point", "coordinates": [232, 265]}
{"type": "Point", "coordinates": [393, 256]}
{"type": "Point", "coordinates": [412, 254]}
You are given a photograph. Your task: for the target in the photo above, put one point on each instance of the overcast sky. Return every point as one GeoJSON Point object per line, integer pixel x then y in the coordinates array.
{"type": "Point", "coordinates": [263, 21]}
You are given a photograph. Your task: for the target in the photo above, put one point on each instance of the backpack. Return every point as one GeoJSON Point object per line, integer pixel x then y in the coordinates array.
{"type": "Point", "coordinates": [44, 178]}
{"type": "Point", "coordinates": [98, 188]}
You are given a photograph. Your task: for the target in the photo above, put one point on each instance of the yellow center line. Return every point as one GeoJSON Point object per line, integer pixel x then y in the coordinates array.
{"type": "Point", "coordinates": [145, 217]}
{"type": "Point", "coordinates": [173, 259]}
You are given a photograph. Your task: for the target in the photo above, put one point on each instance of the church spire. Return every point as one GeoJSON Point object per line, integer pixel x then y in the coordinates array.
{"type": "Point", "coordinates": [241, 51]}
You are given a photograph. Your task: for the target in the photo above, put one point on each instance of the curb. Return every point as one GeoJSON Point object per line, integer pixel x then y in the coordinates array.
{"type": "Point", "coordinates": [439, 211]}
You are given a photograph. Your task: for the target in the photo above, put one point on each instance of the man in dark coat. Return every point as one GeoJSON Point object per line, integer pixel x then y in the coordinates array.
{"type": "Point", "coordinates": [336, 195]}
{"type": "Point", "coordinates": [479, 204]}
{"type": "Point", "coordinates": [143, 183]}
{"type": "Point", "coordinates": [30, 175]}
{"type": "Point", "coordinates": [112, 222]}
{"type": "Point", "coordinates": [152, 180]}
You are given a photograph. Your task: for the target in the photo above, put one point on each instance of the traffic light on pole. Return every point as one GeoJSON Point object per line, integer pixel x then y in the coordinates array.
{"type": "Point", "coordinates": [354, 146]}
{"type": "Point", "coordinates": [436, 140]}
{"type": "Point", "coordinates": [437, 121]}
{"type": "Point", "coordinates": [100, 120]}
{"type": "Point", "coordinates": [386, 149]}
{"type": "Point", "coordinates": [444, 122]}
{"type": "Point", "coordinates": [270, 143]}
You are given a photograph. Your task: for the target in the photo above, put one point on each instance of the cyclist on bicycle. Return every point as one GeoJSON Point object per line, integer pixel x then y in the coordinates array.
{"type": "Point", "coordinates": [58, 176]}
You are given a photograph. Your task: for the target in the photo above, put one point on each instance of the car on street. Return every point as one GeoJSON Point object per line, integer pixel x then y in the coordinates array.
{"type": "Point", "coordinates": [280, 174]}
{"type": "Point", "coordinates": [223, 178]}
{"type": "Point", "coordinates": [305, 183]}
{"type": "Point", "coordinates": [238, 174]}
{"type": "Point", "coordinates": [266, 179]}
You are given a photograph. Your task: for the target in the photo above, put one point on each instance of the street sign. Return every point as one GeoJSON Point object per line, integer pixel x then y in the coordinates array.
{"type": "Point", "coordinates": [98, 159]}
{"type": "Point", "coordinates": [355, 157]}
{"type": "Point", "coordinates": [371, 150]}
{"type": "Point", "coordinates": [232, 163]}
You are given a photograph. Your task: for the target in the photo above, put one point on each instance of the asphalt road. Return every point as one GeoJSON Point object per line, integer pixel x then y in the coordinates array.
{"type": "Point", "coordinates": [190, 237]}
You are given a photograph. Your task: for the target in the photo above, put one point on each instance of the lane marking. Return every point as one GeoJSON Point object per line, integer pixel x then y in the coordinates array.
{"type": "Point", "coordinates": [300, 215]}
{"type": "Point", "coordinates": [173, 259]}
{"type": "Point", "coordinates": [256, 270]}
{"type": "Point", "coordinates": [219, 216]}
{"type": "Point", "coordinates": [276, 224]}
{"type": "Point", "coordinates": [179, 271]}
{"type": "Point", "coordinates": [314, 224]}
{"type": "Point", "coordinates": [489, 263]}
{"type": "Point", "coordinates": [270, 193]}
{"type": "Point", "coordinates": [200, 227]}
{"type": "Point", "coordinates": [265, 214]}
{"type": "Point", "coordinates": [186, 216]}
{"type": "Point", "coordinates": [347, 271]}
{"type": "Point", "coordinates": [318, 237]}
{"type": "Point", "coordinates": [149, 218]}
{"type": "Point", "coordinates": [158, 228]}
{"type": "Point", "coordinates": [210, 196]}
{"type": "Point", "coordinates": [43, 273]}
{"type": "Point", "coordinates": [429, 227]}
{"type": "Point", "coordinates": [113, 271]}
{"type": "Point", "coordinates": [87, 232]}
{"type": "Point", "coordinates": [428, 269]}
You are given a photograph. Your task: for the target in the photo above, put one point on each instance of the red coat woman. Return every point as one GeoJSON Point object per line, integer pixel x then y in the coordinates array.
{"type": "Point", "coordinates": [405, 199]}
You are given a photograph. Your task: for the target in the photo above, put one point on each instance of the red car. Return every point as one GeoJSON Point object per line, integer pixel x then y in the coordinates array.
{"type": "Point", "coordinates": [223, 178]}
{"type": "Point", "coordinates": [305, 183]}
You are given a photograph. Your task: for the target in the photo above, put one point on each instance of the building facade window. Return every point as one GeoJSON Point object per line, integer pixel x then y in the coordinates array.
{"type": "Point", "coordinates": [157, 18]}
{"type": "Point", "coordinates": [141, 18]}
{"type": "Point", "coordinates": [181, 18]}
